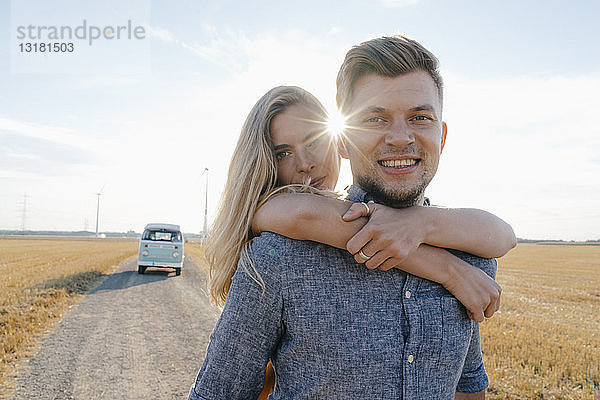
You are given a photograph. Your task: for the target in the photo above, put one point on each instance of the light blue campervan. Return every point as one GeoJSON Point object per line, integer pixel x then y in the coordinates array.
{"type": "Point", "coordinates": [161, 245]}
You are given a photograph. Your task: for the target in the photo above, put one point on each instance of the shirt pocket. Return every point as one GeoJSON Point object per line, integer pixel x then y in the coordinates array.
{"type": "Point", "coordinates": [457, 329]}
{"type": "Point", "coordinates": [446, 330]}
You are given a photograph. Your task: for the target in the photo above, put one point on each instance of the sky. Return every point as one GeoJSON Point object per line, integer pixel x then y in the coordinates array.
{"type": "Point", "coordinates": [139, 120]}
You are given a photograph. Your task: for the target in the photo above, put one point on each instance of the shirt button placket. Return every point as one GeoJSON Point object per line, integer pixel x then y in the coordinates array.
{"type": "Point", "coordinates": [412, 343]}
{"type": "Point", "coordinates": [410, 357]}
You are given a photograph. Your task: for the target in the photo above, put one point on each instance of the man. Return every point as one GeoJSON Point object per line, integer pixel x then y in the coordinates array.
{"type": "Point", "coordinates": [391, 91]}
{"type": "Point", "coordinates": [334, 329]}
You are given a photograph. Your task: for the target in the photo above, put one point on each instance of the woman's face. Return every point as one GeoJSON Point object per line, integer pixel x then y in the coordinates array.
{"type": "Point", "coordinates": [304, 149]}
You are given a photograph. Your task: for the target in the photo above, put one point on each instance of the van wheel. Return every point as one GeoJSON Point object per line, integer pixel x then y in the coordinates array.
{"type": "Point", "coordinates": [141, 269]}
{"type": "Point", "coordinates": [177, 271]}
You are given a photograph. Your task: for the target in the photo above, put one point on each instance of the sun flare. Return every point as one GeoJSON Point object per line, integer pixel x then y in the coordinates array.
{"type": "Point", "coordinates": [336, 123]}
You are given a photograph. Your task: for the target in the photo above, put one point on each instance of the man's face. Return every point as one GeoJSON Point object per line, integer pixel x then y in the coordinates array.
{"type": "Point", "coordinates": [395, 136]}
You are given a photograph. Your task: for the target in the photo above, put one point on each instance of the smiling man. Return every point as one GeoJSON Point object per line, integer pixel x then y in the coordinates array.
{"type": "Point", "coordinates": [395, 136]}
{"type": "Point", "coordinates": [391, 92]}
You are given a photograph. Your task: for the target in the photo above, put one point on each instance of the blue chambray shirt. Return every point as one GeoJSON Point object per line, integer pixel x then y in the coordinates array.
{"type": "Point", "coordinates": [334, 329]}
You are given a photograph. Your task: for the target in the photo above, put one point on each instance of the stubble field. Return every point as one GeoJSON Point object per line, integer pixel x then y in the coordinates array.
{"type": "Point", "coordinates": [40, 278]}
{"type": "Point", "coordinates": [544, 343]}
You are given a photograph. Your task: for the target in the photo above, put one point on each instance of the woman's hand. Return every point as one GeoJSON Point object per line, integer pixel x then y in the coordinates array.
{"type": "Point", "coordinates": [388, 238]}
{"type": "Point", "coordinates": [476, 290]}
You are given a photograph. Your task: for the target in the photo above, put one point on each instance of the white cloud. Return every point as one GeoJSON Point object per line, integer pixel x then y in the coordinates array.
{"type": "Point", "coordinates": [224, 49]}
{"type": "Point", "coordinates": [160, 34]}
{"type": "Point", "coordinates": [9, 174]}
{"type": "Point", "coordinates": [88, 82]}
{"type": "Point", "coordinates": [24, 156]}
{"type": "Point", "coordinates": [53, 134]}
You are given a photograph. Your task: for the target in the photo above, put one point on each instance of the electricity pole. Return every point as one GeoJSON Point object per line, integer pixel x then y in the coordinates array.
{"type": "Point", "coordinates": [205, 229]}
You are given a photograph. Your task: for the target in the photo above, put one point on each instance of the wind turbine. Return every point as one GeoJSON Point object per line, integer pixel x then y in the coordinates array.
{"type": "Point", "coordinates": [98, 207]}
{"type": "Point", "coordinates": [205, 230]}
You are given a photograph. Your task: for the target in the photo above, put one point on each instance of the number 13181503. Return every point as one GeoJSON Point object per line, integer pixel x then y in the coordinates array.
{"type": "Point", "coordinates": [46, 47]}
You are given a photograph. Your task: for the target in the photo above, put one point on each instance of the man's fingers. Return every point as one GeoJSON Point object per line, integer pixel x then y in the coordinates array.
{"type": "Point", "coordinates": [362, 256]}
{"type": "Point", "coordinates": [360, 259]}
{"type": "Point", "coordinates": [358, 241]}
{"type": "Point", "coordinates": [376, 260]}
{"type": "Point", "coordinates": [370, 250]}
{"type": "Point", "coordinates": [388, 264]}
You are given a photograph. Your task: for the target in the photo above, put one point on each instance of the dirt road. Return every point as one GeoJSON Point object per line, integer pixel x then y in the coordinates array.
{"type": "Point", "coordinates": [133, 337]}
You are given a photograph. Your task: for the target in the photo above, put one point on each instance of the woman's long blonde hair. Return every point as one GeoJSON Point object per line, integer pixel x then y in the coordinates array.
{"type": "Point", "coordinates": [251, 179]}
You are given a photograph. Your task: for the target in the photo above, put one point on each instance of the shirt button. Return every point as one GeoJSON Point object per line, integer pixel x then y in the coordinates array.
{"type": "Point", "coordinates": [407, 294]}
{"type": "Point", "coordinates": [411, 358]}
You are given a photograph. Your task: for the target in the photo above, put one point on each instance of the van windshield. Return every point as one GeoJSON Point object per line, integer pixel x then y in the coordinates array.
{"type": "Point", "coordinates": [161, 235]}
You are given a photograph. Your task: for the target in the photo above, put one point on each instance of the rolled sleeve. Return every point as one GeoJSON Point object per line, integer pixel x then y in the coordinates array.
{"type": "Point", "coordinates": [244, 338]}
{"type": "Point", "coordinates": [473, 378]}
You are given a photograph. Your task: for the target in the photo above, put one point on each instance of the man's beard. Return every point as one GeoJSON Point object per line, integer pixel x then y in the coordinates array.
{"type": "Point", "coordinates": [399, 198]}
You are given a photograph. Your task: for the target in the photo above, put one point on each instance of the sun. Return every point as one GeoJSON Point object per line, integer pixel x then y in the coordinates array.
{"type": "Point", "coordinates": [336, 123]}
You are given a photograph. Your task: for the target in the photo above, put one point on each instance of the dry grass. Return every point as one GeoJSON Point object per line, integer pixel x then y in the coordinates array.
{"type": "Point", "coordinates": [544, 343]}
{"type": "Point", "coordinates": [195, 251]}
{"type": "Point", "coordinates": [40, 278]}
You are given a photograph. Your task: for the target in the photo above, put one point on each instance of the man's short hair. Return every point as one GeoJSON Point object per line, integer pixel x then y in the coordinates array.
{"type": "Point", "coordinates": [388, 56]}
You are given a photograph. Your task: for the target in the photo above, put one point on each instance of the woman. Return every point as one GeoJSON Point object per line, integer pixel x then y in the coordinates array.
{"type": "Point", "coordinates": [283, 142]}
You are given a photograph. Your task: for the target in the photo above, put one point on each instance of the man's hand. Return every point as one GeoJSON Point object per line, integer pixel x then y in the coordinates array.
{"type": "Point", "coordinates": [389, 236]}
{"type": "Point", "coordinates": [479, 293]}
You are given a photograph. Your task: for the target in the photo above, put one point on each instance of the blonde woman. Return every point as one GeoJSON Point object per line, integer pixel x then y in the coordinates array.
{"type": "Point", "coordinates": [284, 142]}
